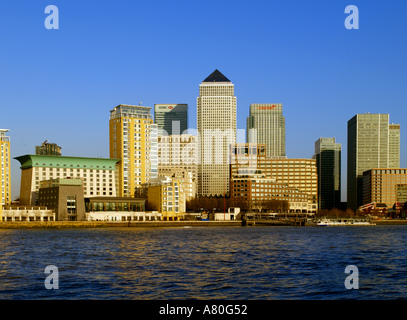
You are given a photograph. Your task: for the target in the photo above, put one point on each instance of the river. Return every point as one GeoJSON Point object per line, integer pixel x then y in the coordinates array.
{"type": "Point", "coordinates": [240, 263]}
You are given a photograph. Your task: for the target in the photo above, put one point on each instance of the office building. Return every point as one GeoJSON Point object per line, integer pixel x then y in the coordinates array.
{"type": "Point", "coordinates": [130, 140]}
{"type": "Point", "coordinates": [48, 149]}
{"type": "Point", "coordinates": [385, 185]}
{"type": "Point", "coordinates": [5, 187]}
{"type": "Point", "coordinates": [216, 116]}
{"type": "Point", "coordinates": [171, 119]}
{"type": "Point", "coordinates": [372, 143]}
{"type": "Point", "coordinates": [328, 157]}
{"type": "Point", "coordinates": [98, 174]}
{"type": "Point", "coordinates": [394, 145]}
{"type": "Point", "coordinates": [254, 176]}
{"type": "Point", "coordinates": [266, 124]}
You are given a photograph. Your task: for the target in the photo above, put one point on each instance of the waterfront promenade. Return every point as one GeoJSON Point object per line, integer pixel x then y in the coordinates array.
{"type": "Point", "coordinates": [152, 224]}
{"type": "Point", "coordinates": [108, 224]}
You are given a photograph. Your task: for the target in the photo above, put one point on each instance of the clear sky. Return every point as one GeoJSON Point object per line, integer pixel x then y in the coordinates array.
{"type": "Point", "coordinates": [60, 85]}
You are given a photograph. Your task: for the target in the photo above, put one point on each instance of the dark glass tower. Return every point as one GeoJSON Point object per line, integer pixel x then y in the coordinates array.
{"type": "Point", "coordinates": [328, 156]}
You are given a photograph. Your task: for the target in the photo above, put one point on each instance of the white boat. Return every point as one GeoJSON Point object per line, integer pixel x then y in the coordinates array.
{"type": "Point", "coordinates": [344, 222]}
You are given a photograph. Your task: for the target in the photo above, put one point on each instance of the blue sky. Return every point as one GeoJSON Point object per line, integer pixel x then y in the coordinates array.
{"type": "Point", "coordinates": [61, 84]}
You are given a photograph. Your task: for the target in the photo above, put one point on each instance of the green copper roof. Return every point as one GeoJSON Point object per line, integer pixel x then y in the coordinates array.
{"type": "Point", "coordinates": [29, 161]}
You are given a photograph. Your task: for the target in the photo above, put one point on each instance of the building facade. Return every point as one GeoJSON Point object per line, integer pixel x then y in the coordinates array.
{"type": "Point", "coordinates": [27, 213]}
{"type": "Point", "coordinates": [266, 124]}
{"type": "Point", "coordinates": [48, 149]}
{"type": "Point", "coordinates": [372, 143]}
{"type": "Point", "coordinates": [171, 119]}
{"type": "Point", "coordinates": [216, 116]}
{"type": "Point", "coordinates": [178, 158]}
{"type": "Point", "coordinates": [65, 197]}
{"type": "Point", "coordinates": [5, 187]}
{"type": "Point", "coordinates": [328, 157]}
{"type": "Point", "coordinates": [118, 209]}
{"type": "Point", "coordinates": [166, 196]}
{"type": "Point", "coordinates": [254, 176]}
{"type": "Point", "coordinates": [385, 185]}
{"type": "Point", "coordinates": [130, 140]}
{"type": "Point", "coordinates": [98, 174]}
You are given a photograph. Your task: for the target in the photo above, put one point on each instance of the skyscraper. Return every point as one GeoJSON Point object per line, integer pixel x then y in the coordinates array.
{"type": "Point", "coordinates": [5, 186]}
{"type": "Point", "coordinates": [173, 118]}
{"type": "Point", "coordinates": [328, 156]}
{"type": "Point", "coordinates": [130, 140]}
{"type": "Point", "coordinates": [266, 124]}
{"type": "Point", "coordinates": [216, 113]}
{"type": "Point", "coordinates": [372, 143]}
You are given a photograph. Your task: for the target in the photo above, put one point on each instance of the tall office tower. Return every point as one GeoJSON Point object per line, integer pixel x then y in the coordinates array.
{"type": "Point", "coordinates": [216, 113]}
{"type": "Point", "coordinates": [266, 124]}
{"type": "Point", "coordinates": [130, 140]}
{"type": "Point", "coordinates": [48, 149]}
{"type": "Point", "coordinates": [172, 118]}
{"type": "Point", "coordinates": [328, 156]}
{"type": "Point", "coordinates": [372, 143]}
{"type": "Point", "coordinates": [394, 145]}
{"type": "Point", "coordinates": [5, 187]}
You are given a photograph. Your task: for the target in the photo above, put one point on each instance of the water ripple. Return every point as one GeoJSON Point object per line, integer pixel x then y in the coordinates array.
{"type": "Point", "coordinates": [204, 263]}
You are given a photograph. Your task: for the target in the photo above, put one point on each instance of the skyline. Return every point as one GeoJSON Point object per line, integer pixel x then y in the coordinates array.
{"type": "Point", "coordinates": [60, 85]}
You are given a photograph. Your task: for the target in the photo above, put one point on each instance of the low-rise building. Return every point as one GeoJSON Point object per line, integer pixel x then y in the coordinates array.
{"type": "Point", "coordinates": [27, 213]}
{"type": "Point", "coordinates": [166, 196]}
{"type": "Point", "coordinates": [65, 196]}
{"type": "Point", "coordinates": [118, 209]}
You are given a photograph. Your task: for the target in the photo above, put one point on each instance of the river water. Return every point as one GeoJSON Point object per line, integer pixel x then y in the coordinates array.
{"type": "Point", "coordinates": [240, 263]}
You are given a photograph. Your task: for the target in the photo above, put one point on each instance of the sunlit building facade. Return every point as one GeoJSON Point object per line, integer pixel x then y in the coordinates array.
{"type": "Point", "coordinates": [98, 174]}
{"type": "Point", "coordinates": [372, 143]}
{"type": "Point", "coordinates": [130, 133]}
{"type": "Point", "coordinates": [266, 124]}
{"type": "Point", "coordinates": [385, 185]}
{"type": "Point", "coordinates": [216, 115]}
{"type": "Point", "coordinates": [254, 176]}
{"type": "Point", "coordinates": [5, 169]}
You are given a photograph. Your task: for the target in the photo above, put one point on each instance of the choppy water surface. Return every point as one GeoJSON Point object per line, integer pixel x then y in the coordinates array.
{"type": "Point", "coordinates": [205, 263]}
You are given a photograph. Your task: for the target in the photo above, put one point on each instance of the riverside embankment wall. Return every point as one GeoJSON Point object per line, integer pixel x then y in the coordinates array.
{"type": "Point", "coordinates": [108, 224]}
{"type": "Point", "coordinates": [146, 224]}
